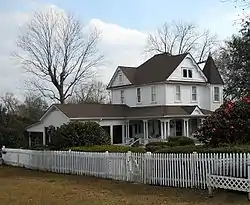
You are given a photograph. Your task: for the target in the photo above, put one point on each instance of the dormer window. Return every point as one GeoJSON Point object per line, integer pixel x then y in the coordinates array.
{"type": "Point", "coordinates": [187, 73]}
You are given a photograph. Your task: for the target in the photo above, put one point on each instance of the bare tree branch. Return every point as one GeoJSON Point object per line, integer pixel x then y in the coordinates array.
{"type": "Point", "coordinates": [56, 50]}
{"type": "Point", "coordinates": [93, 92]}
{"type": "Point", "coordinates": [181, 37]}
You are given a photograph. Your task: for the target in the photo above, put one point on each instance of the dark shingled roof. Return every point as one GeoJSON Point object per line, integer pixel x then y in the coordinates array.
{"type": "Point", "coordinates": [161, 66]}
{"type": "Point", "coordinates": [156, 69]}
{"type": "Point", "coordinates": [129, 72]}
{"type": "Point", "coordinates": [116, 110]}
{"type": "Point", "coordinates": [211, 72]}
{"type": "Point", "coordinates": [92, 110]}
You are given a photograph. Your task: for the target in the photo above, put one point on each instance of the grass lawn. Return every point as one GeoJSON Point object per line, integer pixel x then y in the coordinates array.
{"type": "Point", "coordinates": [25, 187]}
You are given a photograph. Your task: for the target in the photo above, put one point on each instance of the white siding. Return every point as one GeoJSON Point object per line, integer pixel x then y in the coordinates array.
{"type": "Point", "coordinates": [131, 96]}
{"type": "Point", "coordinates": [116, 81]}
{"type": "Point", "coordinates": [189, 64]}
{"type": "Point", "coordinates": [186, 95]}
{"type": "Point", "coordinates": [54, 117]}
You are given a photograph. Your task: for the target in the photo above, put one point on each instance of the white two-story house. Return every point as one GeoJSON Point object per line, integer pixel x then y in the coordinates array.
{"type": "Point", "coordinates": [168, 95]}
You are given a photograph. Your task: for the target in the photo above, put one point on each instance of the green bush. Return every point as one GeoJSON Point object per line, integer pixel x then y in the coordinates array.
{"type": "Point", "coordinates": [180, 141]}
{"type": "Point", "coordinates": [205, 149]}
{"type": "Point", "coordinates": [109, 148]}
{"type": "Point", "coordinates": [154, 146]}
{"type": "Point", "coordinates": [80, 134]}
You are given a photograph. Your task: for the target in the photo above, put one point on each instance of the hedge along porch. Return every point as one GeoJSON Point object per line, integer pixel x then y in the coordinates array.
{"type": "Point", "coordinates": [122, 122]}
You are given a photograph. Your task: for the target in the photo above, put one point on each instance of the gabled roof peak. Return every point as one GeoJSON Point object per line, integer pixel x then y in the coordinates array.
{"type": "Point", "coordinates": [211, 71]}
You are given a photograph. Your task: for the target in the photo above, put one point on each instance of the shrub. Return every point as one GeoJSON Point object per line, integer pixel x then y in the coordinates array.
{"type": "Point", "coordinates": [180, 141]}
{"type": "Point", "coordinates": [154, 146]}
{"type": "Point", "coordinates": [229, 124]}
{"type": "Point", "coordinates": [109, 148]}
{"type": "Point", "coordinates": [205, 149]}
{"type": "Point", "coordinates": [80, 134]}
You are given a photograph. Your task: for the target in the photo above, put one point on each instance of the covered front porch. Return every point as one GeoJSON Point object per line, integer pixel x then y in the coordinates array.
{"type": "Point", "coordinates": [147, 130]}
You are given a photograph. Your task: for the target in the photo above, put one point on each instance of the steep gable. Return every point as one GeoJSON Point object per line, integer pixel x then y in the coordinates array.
{"type": "Point", "coordinates": [211, 72]}
{"type": "Point", "coordinates": [121, 77]}
{"type": "Point", "coordinates": [189, 65]}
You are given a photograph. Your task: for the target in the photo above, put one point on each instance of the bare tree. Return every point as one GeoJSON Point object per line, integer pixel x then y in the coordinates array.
{"type": "Point", "coordinates": [59, 53]}
{"type": "Point", "coordinates": [94, 92]}
{"type": "Point", "coordinates": [10, 102]}
{"type": "Point", "coordinates": [181, 37]}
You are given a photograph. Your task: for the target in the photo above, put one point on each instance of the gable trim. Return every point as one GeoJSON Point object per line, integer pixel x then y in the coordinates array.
{"type": "Point", "coordinates": [114, 75]}
{"type": "Point", "coordinates": [49, 110]}
{"type": "Point", "coordinates": [197, 111]}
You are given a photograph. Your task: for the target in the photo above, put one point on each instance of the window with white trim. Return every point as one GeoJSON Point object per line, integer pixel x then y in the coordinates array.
{"type": "Point", "coordinates": [138, 93]}
{"type": "Point", "coordinates": [216, 94]}
{"type": "Point", "coordinates": [187, 73]}
{"type": "Point", "coordinates": [153, 94]}
{"type": "Point", "coordinates": [178, 92]}
{"type": "Point", "coordinates": [194, 93]}
{"type": "Point", "coordinates": [122, 97]}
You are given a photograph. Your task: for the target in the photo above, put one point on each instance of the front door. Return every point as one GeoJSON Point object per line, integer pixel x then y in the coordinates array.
{"type": "Point", "coordinates": [178, 127]}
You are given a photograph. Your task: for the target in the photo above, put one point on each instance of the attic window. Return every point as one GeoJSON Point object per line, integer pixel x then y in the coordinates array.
{"type": "Point", "coordinates": [187, 73]}
{"type": "Point", "coordinates": [120, 77]}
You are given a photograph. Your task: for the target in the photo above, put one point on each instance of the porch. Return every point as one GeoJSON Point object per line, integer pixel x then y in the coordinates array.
{"type": "Point", "coordinates": [149, 130]}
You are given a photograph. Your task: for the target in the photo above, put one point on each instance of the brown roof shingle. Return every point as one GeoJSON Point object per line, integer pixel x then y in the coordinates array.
{"type": "Point", "coordinates": [123, 111]}
{"type": "Point", "coordinates": [156, 69]}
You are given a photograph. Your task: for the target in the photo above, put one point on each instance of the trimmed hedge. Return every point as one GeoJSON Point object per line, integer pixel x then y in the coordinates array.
{"type": "Point", "coordinates": [180, 141]}
{"type": "Point", "coordinates": [172, 142]}
{"type": "Point", "coordinates": [205, 149]}
{"type": "Point", "coordinates": [109, 148]}
{"type": "Point", "coordinates": [154, 146]}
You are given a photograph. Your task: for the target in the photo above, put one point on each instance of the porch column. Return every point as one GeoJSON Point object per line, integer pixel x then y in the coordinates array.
{"type": "Point", "coordinates": [127, 129]}
{"type": "Point", "coordinates": [133, 130]}
{"type": "Point", "coordinates": [184, 127]}
{"type": "Point", "coordinates": [44, 137]}
{"type": "Point", "coordinates": [123, 134]}
{"type": "Point", "coordinates": [187, 127]}
{"type": "Point", "coordinates": [29, 139]}
{"type": "Point", "coordinates": [162, 130]}
{"type": "Point", "coordinates": [165, 129]}
{"type": "Point", "coordinates": [111, 134]}
{"type": "Point", "coordinates": [145, 129]}
{"type": "Point", "coordinates": [168, 121]}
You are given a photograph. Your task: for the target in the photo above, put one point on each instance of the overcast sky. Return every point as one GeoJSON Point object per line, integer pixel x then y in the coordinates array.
{"type": "Point", "coordinates": [124, 26]}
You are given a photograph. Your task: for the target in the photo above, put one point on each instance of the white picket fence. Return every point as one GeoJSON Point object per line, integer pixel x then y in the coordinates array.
{"type": "Point", "coordinates": [173, 170]}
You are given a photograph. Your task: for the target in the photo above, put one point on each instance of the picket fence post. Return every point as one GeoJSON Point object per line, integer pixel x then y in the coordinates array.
{"type": "Point", "coordinates": [107, 163]}
{"type": "Point", "coordinates": [194, 170]}
{"type": "Point", "coordinates": [147, 167]}
{"type": "Point", "coordinates": [248, 174]}
{"type": "Point", "coordinates": [128, 166]}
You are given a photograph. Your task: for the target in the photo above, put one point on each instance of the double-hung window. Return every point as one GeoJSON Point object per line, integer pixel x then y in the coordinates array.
{"type": "Point", "coordinates": [153, 94]}
{"type": "Point", "coordinates": [216, 94]}
{"type": "Point", "coordinates": [177, 92]}
{"type": "Point", "coordinates": [194, 93]}
{"type": "Point", "coordinates": [138, 93]}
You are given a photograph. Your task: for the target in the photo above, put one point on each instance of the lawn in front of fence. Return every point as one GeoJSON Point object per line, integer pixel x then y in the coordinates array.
{"type": "Point", "coordinates": [22, 186]}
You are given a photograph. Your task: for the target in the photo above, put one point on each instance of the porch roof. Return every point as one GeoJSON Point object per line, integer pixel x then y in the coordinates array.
{"type": "Point", "coordinates": [83, 111]}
